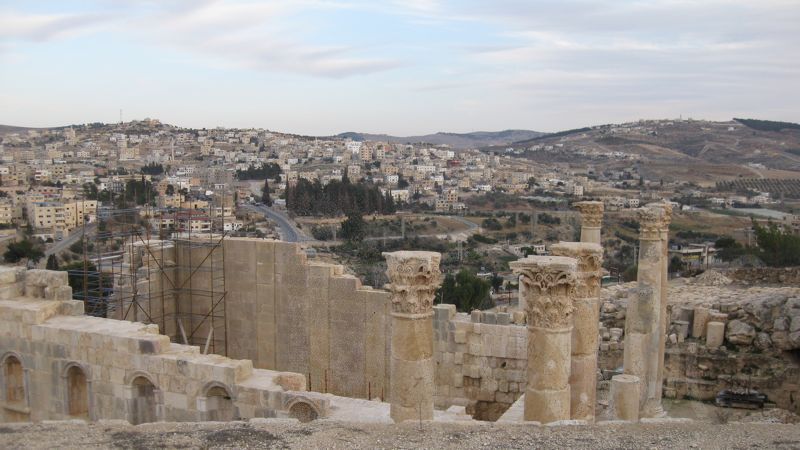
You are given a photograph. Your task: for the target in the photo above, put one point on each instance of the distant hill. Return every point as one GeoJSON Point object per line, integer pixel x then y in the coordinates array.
{"type": "Point", "coordinates": [768, 125]}
{"type": "Point", "coordinates": [455, 140]}
{"type": "Point", "coordinates": [699, 151]}
{"type": "Point", "coordinates": [14, 129]}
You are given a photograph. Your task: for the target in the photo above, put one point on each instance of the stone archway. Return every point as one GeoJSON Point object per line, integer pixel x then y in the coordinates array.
{"type": "Point", "coordinates": [219, 404]}
{"type": "Point", "coordinates": [77, 392]}
{"type": "Point", "coordinates": [16, 400]}
{"type": "Point", "coordinates": [14, 376]}
{"type": "Point", "coordinates": [144, 402]}
{"type": "Point", "coordinates": [303, 411]}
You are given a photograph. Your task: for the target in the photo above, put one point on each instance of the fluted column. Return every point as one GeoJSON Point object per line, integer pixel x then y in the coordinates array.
{"type": "Point", "coordinates": [591, 220]}
{"type": "Point", "coordinates": [643, 317]}
{"type": "Point", "coordinates": [549, 288]}
{"type": "Point", "coordinates": [414, 278]}
{"type": "Point", "coordinates": [585, 331]}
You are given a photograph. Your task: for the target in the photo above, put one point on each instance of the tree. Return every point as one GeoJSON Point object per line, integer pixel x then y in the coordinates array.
{"type": "Point", "coordinates": [728, 249]}
{"type": "Point", "coordinates": [676, 264]}
{"type": "Point", "coordinates": [52, 263]}
{"type": "Point", "coordinates": [24, 249]}
{"type": "Point", "coordinates": [497, 282]}
{"type": "Point", "coordinates": [777, 247]}
{"type": "Point", "coordinates": [265, 198]}
{"type": "Point", "coordinates": [465, 290]}
{"type": "Point", "coordinates": [354, 228]}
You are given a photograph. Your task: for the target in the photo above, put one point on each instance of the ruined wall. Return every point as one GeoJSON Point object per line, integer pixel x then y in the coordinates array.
{"type": "Point", "coordinates": [58, 363]}
{"type": "Point", "coordinates": [286, 313]}
{"type": "Point", "coordinates": [480, 360]}
{"type": "Point", "coordinates": [766, 275]}
{"type": "Point", "coordinates": [290, 314]}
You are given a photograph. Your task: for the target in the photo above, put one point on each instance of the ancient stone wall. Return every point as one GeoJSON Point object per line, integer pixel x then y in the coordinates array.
{"type": "Point", "coordinates": [58, 363]}
{"type": "Point", "coordinates": [286, 313]}
{"type": "Point", "coordinates": [480, 360]}
{"type": "Point", "coordinates": [766, 275]}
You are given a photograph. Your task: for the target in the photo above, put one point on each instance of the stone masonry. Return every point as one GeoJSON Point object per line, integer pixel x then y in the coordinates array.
{"type": "Point", "coordinates": [58, 364]}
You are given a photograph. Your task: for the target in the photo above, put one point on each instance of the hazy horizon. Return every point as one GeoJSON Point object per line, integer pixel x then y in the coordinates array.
{"type": "Point", "coordinates": [404, 68]}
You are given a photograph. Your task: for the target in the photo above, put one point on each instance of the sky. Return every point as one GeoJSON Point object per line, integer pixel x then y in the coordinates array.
{"type": "Point", "coordinates": [406, 67]}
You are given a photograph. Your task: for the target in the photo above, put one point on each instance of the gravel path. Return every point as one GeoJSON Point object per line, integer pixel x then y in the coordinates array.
{"type": "Point", "coordinates": [322, 434]}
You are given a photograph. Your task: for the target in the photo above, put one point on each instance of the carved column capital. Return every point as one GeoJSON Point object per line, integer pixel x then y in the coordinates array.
{"type": "Point", "coordinates": [666, 209]}
{"type": "Point", "coordinates": [591, 213]}
{"type": "Point", "coordinates": [549, 283]}
{"type": "Point", "coordinates": [590, 261]}
{"type": "Point", "coordinates": [414, 278]}
{"type": "Point", "coordinates": [651, 222]}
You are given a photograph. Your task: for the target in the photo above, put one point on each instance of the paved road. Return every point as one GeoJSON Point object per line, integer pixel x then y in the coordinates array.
{"type": "Point", "coordinates": [461, 235]}
{"type": "Point", "coordinates": [63, 244]}
{"type": "Point", "coordinates": [286, 228]}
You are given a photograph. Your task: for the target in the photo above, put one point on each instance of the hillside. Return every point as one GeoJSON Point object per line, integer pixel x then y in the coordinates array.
{"type": "Point", "coordinates": [683, 149]}
{"type": "Point", "coordinates": [455, 140]}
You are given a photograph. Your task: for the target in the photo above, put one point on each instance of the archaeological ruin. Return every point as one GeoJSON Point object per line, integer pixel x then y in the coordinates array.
{"type": "Point", "coordinates": [253, 328]}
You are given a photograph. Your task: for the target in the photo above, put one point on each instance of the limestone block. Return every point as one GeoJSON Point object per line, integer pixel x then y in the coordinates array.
{"type": "Point", "coordinates": [715, 334]}
{"type": "Point", "coordinates": [519, 317]}
{"type": "Point", "coordinates": [290, 381]}
{"type": "Point", "coordinates": [460, 337]}
{"type": "Point", "coordinates": [625, 392]}
{"type": "Point", "coordinates": [9, 275]}
{"type": "Point", "coordinates": [701, 316]}
{"type": "Point", "coordinates": [489, 318]}
{"type": "Point", "coordinates": [503, 318]}
{"type": "Point", "coordinates": [682, 329]}
{"type": "Point", "coordinates": [716, 316]}
{"type": "Point", "coordinates": [615, 334]}
{"type": "Point", "coordinates": [475, 316]}
{"type": "Point", "coordinates": [43, 278]}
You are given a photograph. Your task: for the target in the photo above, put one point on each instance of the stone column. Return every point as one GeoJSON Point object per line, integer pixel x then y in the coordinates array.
{"type": "Point", "coordinates": [591, 220]}
{"type": "Point", "coordinates": [642, 320]}
{"type": "Point", "coordinates": [625, 397]}
{"type": "Point", "coordinates": [585, 331]}
{"type": "Point", "coordinates": [549, 288]}
{"type": "Point", "coordinates": [663, 231]}
{"type": "Point", "coordinates": [414, 278]}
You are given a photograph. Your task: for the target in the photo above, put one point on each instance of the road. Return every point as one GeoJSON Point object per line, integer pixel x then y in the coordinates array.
{"type": "Point", "coordinates": [461, 235]}
{"type": "Point", "coordinates": [286, 229]}
{"type": "Point", "coordinates": [74, 237]}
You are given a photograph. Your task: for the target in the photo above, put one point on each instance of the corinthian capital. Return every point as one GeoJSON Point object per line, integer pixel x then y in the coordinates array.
{"type": "Point", "coordinates": [651, 222]}
{"type": "Point", "coordinates": [549, 288]}
{"type": "Point", "coordinates": [591, 213]}
{"type": "Point", "coordinates": [666, 207]}
{"type": "Point", "coordinates": [414, 278]}
{"type": "Point", "coordinates": [590, 261]}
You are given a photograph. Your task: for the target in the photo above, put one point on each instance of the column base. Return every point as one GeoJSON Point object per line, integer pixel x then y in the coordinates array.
{"type": "Point", "coordinates": [545, 406]}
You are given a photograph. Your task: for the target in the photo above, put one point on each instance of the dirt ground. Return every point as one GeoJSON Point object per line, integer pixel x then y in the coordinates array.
{"type": "Point", "coordinates": [262, 433]}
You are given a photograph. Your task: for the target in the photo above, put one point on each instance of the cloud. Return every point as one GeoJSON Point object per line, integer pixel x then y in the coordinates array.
{"type": "Point", "coordinates": [264, 36]}
{"type": "Point", "coordinates": [45, 27]}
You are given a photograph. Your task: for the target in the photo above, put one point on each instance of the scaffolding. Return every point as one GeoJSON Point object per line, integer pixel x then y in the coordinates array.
{"type": "Point", "coordinates": [151, 265]}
